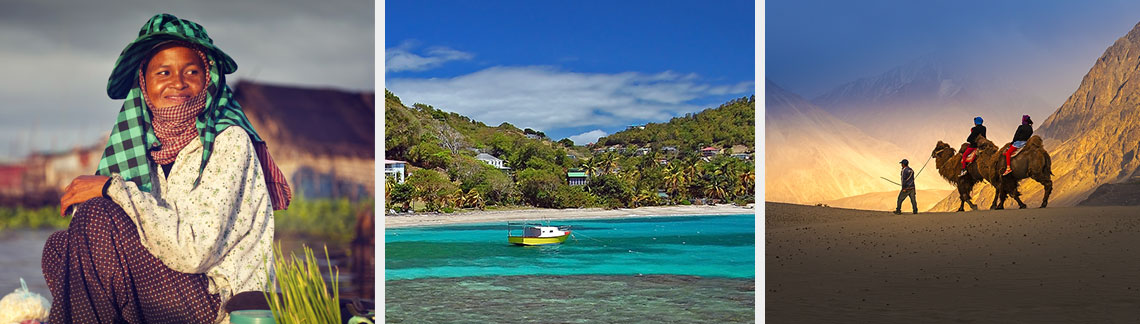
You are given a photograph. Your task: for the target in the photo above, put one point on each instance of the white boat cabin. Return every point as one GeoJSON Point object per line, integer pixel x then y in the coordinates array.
{"type": "Point", "coordinates": [542, 231]}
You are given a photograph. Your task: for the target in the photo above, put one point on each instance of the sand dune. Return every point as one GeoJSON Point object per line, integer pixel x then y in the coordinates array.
{"type": "Point", "coordinates": [886, 201]}
{"type": "Point", "coordinates": [1066, 265]}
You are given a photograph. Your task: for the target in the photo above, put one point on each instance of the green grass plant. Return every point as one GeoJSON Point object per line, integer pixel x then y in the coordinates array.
{"type": "Point", "coordinates": [331, 219]}
{"type": "Point", "coordinates": [304, 295]}
{"type": "Point", "coordinates": [12, 218]}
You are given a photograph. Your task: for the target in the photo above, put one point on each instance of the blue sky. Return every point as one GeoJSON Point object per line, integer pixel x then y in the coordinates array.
{"type": "Point", "coordinates": [1045, 47]}
{"type": "Point", "coordinates": [578, 69]}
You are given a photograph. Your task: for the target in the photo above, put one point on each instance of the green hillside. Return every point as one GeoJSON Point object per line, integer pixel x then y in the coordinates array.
{"type": "Point", "coordinates": [441, 148]}
{"type": "Point", "coordinates": [733, 123]}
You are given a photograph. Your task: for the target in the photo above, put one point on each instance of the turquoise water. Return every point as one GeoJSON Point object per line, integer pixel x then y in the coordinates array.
{"type": "Point", "coordinates": [703, 246]}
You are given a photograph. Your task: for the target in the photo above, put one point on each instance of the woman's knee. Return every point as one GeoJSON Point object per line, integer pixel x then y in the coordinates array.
{"type": "Point", "coordinates": [54, 248]}
{"type": "Point", "coordinates": [96, 213]}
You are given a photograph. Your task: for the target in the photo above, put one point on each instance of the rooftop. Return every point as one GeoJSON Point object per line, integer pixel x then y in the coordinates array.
{"type": "Point", "coordinates": [321, 121]}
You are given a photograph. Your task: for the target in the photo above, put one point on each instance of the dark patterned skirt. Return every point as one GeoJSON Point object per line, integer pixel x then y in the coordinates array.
{"type": "Point", "coordinates": [99, 272]}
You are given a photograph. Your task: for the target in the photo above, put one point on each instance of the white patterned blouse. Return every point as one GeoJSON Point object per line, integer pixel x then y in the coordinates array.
{"type": "Point", "coordinates": [223, 227]}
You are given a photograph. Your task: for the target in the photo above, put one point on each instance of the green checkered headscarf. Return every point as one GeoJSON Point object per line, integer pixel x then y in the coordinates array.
{"type": "Point", "coordinates": [132, 137]}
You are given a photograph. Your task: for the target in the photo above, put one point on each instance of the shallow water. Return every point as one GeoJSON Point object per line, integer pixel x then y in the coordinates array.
{"type": "Point", "coordinates": [571, 299]}
{"type": "Point", "coordinates": [20, 253]}
{"type": "Point", "coordinates": [635, 270]}
{"type": "Point", "coordinates": [714, 246]}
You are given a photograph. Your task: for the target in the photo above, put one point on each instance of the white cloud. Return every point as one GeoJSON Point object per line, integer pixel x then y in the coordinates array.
{"type": "Point", "coordinates": [401, 57]}
{"type": "Point", "coordinates": [546, 98]}
{"type": "Point", "coordinates": [587, 137]}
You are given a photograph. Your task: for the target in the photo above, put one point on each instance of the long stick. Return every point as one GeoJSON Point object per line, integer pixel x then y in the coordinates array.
{"type": "Point", "coordinates": [923, 166]}
{"type": "Point", "coordinates": [889, 180]}
{"type": "Point", "coordinates": [915, 175]}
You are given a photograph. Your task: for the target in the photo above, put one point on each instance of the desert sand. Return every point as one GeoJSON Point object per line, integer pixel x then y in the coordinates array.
{"type": "Point", "coordinates": [433, 219]}
{"type": "Point", "coordinates": [1054, 265]}
{"type": "Point", "coordinates": [886, 201]}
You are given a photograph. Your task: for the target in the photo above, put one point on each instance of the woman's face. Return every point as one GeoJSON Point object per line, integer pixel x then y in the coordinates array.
{"type": "Point", "coordinates": [174, 75]}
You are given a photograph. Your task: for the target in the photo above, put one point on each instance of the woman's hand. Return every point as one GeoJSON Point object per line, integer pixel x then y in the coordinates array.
{"type": "Point", "coordinates": [81, 189]}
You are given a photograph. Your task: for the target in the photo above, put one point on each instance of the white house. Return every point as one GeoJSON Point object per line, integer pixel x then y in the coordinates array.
{"type": "Point", "coordinates": [396, 170]}
{"type": "Point", "coordinates": [493, 161]}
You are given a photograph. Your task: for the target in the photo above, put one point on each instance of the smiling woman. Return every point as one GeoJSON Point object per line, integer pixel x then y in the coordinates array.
{"type": "Point", "coordinates": [179, 219]}
{"type": "Point", "coordinates": [174, 74]}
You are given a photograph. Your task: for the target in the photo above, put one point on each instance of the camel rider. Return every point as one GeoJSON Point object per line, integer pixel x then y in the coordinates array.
{"type": "Point", "coordinates": [977, 130]}
{"type": "Point", "coordinates": [1019, 138]}
{"type": "Point", "coordinates": [907, 188]}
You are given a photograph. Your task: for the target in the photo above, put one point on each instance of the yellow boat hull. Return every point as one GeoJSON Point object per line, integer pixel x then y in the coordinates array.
{"type": "Point", "coordinates": [519, 240]}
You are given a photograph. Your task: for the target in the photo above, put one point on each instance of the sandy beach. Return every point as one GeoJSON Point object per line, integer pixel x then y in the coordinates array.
{"type": "Point", "coordinates": [1054, 265]}
{"type": "Point", "coordinates": [433, 219]}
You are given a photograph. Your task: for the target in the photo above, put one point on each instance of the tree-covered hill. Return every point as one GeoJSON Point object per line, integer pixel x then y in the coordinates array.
{"type": "Point", "coordinates": [732, 123]}
{"type": "Point", "coordinates": [441, 148]}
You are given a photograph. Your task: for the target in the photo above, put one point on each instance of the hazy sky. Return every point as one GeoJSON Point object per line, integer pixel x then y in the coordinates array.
{"type": "Point", "coordinates": [57, 55]}
{"type": "Point", "coordinates": [1045, 47]}
{"type": "Point", "coordinates": [576, 69]}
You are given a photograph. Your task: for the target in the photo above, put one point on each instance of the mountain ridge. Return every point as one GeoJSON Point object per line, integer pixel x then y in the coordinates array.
{"type": "Point", "coordinates": [917, 104]}
{"type": "Point", "coordinates": [1094, 137]}
{"type": "Point", "coordinates": [812, 156]}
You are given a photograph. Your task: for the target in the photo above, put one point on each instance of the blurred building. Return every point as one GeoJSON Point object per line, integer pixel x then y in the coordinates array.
{"type": "Point", "coordinates": [55, 170]}
{"type": "Point", "coordinates": [12, 179]}
{"type": "Point", "coordinates": [322, 139]}
{"type": "Point", "coordinates": [39, 179]}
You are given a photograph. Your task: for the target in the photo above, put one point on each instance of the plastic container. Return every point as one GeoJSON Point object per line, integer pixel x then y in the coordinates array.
{"type": "Point", "coordinates": [251, 317]}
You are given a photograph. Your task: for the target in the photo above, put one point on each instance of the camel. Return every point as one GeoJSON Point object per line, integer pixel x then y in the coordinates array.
{"type": "Point", "coordinates": [948, 163]}
{"type": "Point", "coordinates": [986, 166]}
{"type": "Point", "coordinates": [1031, 162]}
{"type": "Point", "coordinates": [946, 160]}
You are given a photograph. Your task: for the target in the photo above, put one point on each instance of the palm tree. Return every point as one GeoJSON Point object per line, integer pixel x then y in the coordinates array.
{"type": "Point", "coordinates": [471, 199]}
{"type": "Point", "coordinates": [636, 200]}
{"type": "Point", "coordinates": [389, 184]}
{"type": "Point", "coordinates": [588, 166]}
{"type": "Point", "coordinates": [649, 197]}
{"type": "Point", "coordinates": [455, 199]}
{"type": "Point", "coordinates": [746, 186]}
{"type": "Point", "coordinates": [607, 163]}
{"type": "Point", "coordinates": [691, 171]}
{"type": "Point", "coordinates": [633, 176]}
{"type": "Point", "coordinates": [717, 177]}
{"type": "Point", "coordinates": [676, 179]}
{"type": "Point", "coordinates": [715, 188]}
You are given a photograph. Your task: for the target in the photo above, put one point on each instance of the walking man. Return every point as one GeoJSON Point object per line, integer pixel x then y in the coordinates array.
{"type": "Point", "coordinates": [907, 188]}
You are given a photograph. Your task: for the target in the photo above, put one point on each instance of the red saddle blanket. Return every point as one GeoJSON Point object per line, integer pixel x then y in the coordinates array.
{"type": "Point", "coordinates": [971, 156]}
{"type": "Point", "coordinates": [1012, 151]}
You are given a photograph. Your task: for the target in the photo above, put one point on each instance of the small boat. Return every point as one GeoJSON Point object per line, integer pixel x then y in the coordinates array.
{"type": "Point", "coordinates": [536, 234]}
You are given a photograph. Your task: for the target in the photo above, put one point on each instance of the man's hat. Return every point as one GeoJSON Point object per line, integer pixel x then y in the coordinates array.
{"type": "Point", "coordinates": [161, 28]}
{"type": "Point", "coordinates": [905, 162]}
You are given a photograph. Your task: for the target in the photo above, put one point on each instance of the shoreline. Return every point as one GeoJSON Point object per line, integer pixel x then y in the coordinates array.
{"type": "Point", "coordinates": [436, 219]}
